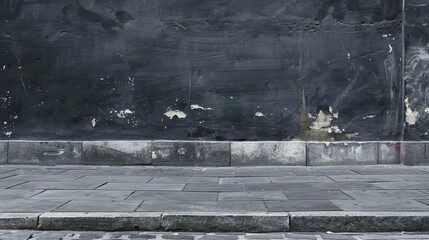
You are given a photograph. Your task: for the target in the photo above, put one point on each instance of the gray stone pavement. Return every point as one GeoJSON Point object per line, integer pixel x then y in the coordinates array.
{"type": "Point", "coordinates": [56, 235]}
{"type": "Point", "coordinates": [385, 188]}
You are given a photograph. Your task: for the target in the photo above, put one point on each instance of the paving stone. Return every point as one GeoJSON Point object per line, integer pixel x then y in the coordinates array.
{"type": "Point", "coordinates": [83, 194]}
{"type": "Point", "coordinates": [322, 171]}
{"type": "Point", "coordinates": [372, 170]}
{"type": "Point", "coordinates": [43, 178]}
{"type": "Point", "coordinates": [342, 153]}
{"type": "Point", "coordinates": [226, 222]}
{"type": "Point", "coordinates": [337, 221]}
{"type": "Point", "coordinates": [268, 153]}
{"type": "Point", "coordinates": [315, 195]}
{"type": "Point", "coordinates": [252, 196]}
{"type": "Point", "coordinates": [100, 221]}
{"type": "Point", "coordinates": [117, 179]}
{"type": "Point", "coordinates": [185, 180]}
{"type": "Point", "coordinates": [72, 185]}
{"type": "Point", "coordinates": [206, 206]}
{"type": "Point", "coordinates": [3, 152]}
{"type": "Point", "coordinates": [4, 183]}
{"type": "Point", "coordinates": [214, 187]}
{"type": "Point", "coordinates": [178, 196]}
{"type": "Point", "coordinates": [389, 152]}
{"type": "Point", "coordinates": [365, 178]}
{"type": "Point", "coordinates": [345, 185]}
{"type": "Point", "coordinates": [44, 153]}
{"type": "Point", "coordinates": [18, 221]}
{"type": "Point", "coordinates": [414, 153]}
{"type": "Point", "coordinates": [16, 235]}
{"type": "Point", "coordinates": [117, 152]}
{"type": "Point", "coordinates": [13, 194]}
{"type": "Point", "coordinates": [189, 153]}
{"type": "Point", "coordinates": [386, 194]}
{"type": "Point", "coordinates": [417, 177]}
{"type": "Point", "coordinates": [99, 206]}
{"type": "Point", "coordinates": [234, 180]}
{"type": "Point", "coordinates": [278, 186]}
{"type": "Point", "coordinates": [385, 205]}
{"type": "Point", "coordinates": [29, 206]}
{"type": "Point", "coordinates": [300, 205]}
{"type": "Point", "coordinates": [7, 169]}
{"type": "Point", "coordinates": [143, 186]}
{"type": "Point", "coordinates": [408, 185]}
{"type": "Point", "coordinates": [302, 179]}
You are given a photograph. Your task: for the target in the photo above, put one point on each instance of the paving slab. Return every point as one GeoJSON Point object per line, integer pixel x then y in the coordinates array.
{"type": "Point", "coordinates": [294, 194]}
{"type": "Point", "coordinates": [206, 206]}
{"type": "Point", "coordinates": [99, 206]}
{"type": "Point", "coordinates": [386, 194]}
{"type": "Point", "coordinates": [13, 194]}
{"type": "Point", "coordinates": [29, 205]}
{"type": "Point", "coordinates": [234, 180]}
{"type": "Point", "coordinates": [143, 186]}
{"type": "Point", "coordinates": [176, 195]}
{"type": "Point", "coordinates": [4, 183]}
{"type": "Point", "coordinates": [184, 180]}
{"type": "Point", "coordinates": [381, 205]}
{"type": "Point", "coordinates": [77, 185]}
{"type": "Point", "coordinates": [301, 179]}
{"type": "Point", "coordinates": [345, 185]}
{"type": "Point", "coordinates": [300, 205]}
{"type": "Point", "coordinates": [415, 185]}
{"type": "Point", "coordinates": [83, 194]}
{"type": "Point", "coordinates": [365, 178]}
{"type": "Point", "coordinates": [116, 178]}
{"type": "Point", "coordinates": [278, 186]}
{"type": "Point", "coordinates": [252, 196]}
{"type": "Point", "coordinates": [214, 187]}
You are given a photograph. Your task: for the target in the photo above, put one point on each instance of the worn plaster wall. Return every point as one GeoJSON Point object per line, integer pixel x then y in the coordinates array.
{"type": "Point", "coordinates": [220, 69]}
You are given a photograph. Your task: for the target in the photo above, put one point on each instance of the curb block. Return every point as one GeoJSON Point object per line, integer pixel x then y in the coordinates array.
{"type": "Point", "coordinates": [18, 220]}
{"type": "Point", "coordinates": [224, 222]}
{"type": "Point", "coordinates": [132, 221]}
{"type": "Point", "coordinates": [359, 221]}
{"type": "Point", "coordinates": [117, 152]}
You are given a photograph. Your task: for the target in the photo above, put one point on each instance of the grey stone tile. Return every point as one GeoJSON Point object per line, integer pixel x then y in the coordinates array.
{"type": "Point", "coordinates": [185, 180]}
{"type": "Point", "coordinates": [303, 179]}
{"type": "Point", "coordinates": [376, 195]}
{"type": "Point", "coordinates": [29, 205]}
{"type": "Point", "coordinates": [14, 194]}
{"type": "Point", "coordinates": [344, 185]}
{"type": "Point", "coordinates": [188, 153]}
{"type": "Point", "coordinates": [7, 169]}
{"type": "Point", "coordinates": [99, 206]}
{"type": "Point", "coordinates": [425, 201]}
{"type": "Point", "coordinates": [117, 152]}
{"type": "Point", "coordinates": [316, 195]}
{"type": "Point", "coordinates": [391, 170]}
{"type": "Point", "coordinates": [3, 152]}
{"type": "Point", "coordinates": [71, 185]}
{"type": "Point", "coordinates": [416, 177]}
{"type": "Point", "coordinates": [185, 206]}
{"type": "Point", "coordinates": [43, 178]}
{"type": "Point", "coordinates": [278, 186]}
{"type": "Point", "coordinates": [169, 195]}
{"type": "Point", "coordinates": [406, 185]}
{"type": "Point", "coordinates": [214, 187]}
{"type": "Point", "coordinates": [389, 152]}
{"type": "Point", "coordinates": [143, 186]}
{"type": "Point", "coordinates": [117, 179]}
{"type": "Point", "coordinates": [234, 180]}
{"type": "Point", "coordinates": [322, 171]}
{"type": "Point", "coordinates": [4, 183]}
{"type": "Point", "coordinates": [300, 205]}
{"type": "Point", "coordinates": [252, 196]}
{"type": "Point", "coordinates": [342, 153]}
{"type": "Point", "coordinates": [365, 178]}
{"type": "Point", "coordinates": [414, 153]}
{"type": "Point", "coordinates": [83, 195]}
{"type": "Point", "coordinates": [268, 153]}
{"type": "Point", "coordinates": [45, 153]}
{"type": "Point", "coordinates": [385, 205]}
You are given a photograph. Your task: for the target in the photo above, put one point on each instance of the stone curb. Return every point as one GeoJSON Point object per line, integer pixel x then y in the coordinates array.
{"type": "Point", "coordinates": [213, 153]}
{"type": "Point", "coordinates": [220, 222]}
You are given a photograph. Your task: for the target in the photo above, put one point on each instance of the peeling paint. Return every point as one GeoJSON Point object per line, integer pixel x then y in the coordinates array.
{"type": "Point", "coordinates": [175, 113]}
{"type": "Point", "coordinates": [427, 110]}
{"type": "Point", "coordinates": [124, 113]}
{"type": "Point", "coordinates": [411, 116]}
{"type": "Point", "coordinates": [93, 122]}
{"type": "Point", "coordinates": [369, 117]}
{"type": "Point", "coordinates": [196, 106]}
{"type": "Point", "coordinates": [390, 48]}
{"type": "Point", "coordinates": [259, 114]}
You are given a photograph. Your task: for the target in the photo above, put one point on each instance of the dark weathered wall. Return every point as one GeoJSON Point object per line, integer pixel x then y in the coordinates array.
{"type": "Point", "coordinates": [417, 70]}
{"type": "Point", "coordinates": [193, 69]}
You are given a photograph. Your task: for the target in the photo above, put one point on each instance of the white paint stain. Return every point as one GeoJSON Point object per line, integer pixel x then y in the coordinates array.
{"type": "Point", "coordinates": [93, 122]}
{"type": "Point", "coordinates": [175, 113]}
{"type": "Point", "coordinates": [259, 114]}
{"type": "Point", "coordinates": [323, 122]}
{"type": "Point", "coordinates": [196, 106]}
{"type": "Point", "coordinates": [369, 117]}
{"type": "Point", "coordinates": [4, 67]}
{"type": "Point", "coordinates": [410, 115]}
{"type": "Point", "coordinates": [390, 48]}
{"type": "Point", "coordinates": [348, 55]}
{"type": "Point", "coordinates": [427, 110]}
{"type": "Point", "coordinates": [124, 113]}
{"type": "Point", "coordinates": [8, 134]}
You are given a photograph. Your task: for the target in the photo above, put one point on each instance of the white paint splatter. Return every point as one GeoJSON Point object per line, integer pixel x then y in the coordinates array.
{"type": "Point", "coordinates": [175, 113]}
{"type": "Point", "coordinates": [369, 117]}
{"type": "Point", "coordinates": [390, 48]}
{"type": "Point", "coordinates": [411, 116]}
{"type": "Point", "coordinates": [196, 106]}
{"type": "Point", "coordinates": [4, 67]}
{"type": "Point", "coordinates": [348, 55]}
{"type": "Point", "coordinates": [93, 122]}
{"type": "Point", "coordinates": [8, 134]}
{"type": "Point", "coordinates": [427, 110]}
{"type": "Point", "coordinates": [124, 113]}
{"type": "Point", "coordinates": [259, 114]}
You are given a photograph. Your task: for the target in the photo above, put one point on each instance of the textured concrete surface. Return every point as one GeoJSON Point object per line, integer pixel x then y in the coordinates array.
{"type": "Point", "coordinates": [268, 153]}
{"type": "Point", "coordinates": [414, 153]}
{"type": "Point", "coordinates": [117, 152]}
{"type": "Point", "coordinates": [389, 152]}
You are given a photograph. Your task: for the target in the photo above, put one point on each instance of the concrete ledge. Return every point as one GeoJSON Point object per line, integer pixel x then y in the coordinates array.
{"type": "Point", "coordinates": [44, 152]}
{"type": "Point", "coordinates": [286, 153]}
{"type": "Point", "coordinates": [3, 151]}
{"type": "Point", "coordinates": [18, 220]}
{"type": "Point", "coordinates": [389, 152]}
{"type": "Point", "coordinates": [414, 153]}
{"type": "Point", "coordinates": [190, 153]}
{"type": "Point", "coordinates": [358, 221]}
{"type": "Point", "coordinates": [342, 153]}
{"type": "Point", "coordinates": [225, 222]}
{"type": "Point", "coordinates": [132, 221]}
{"type": "Point", "coordinates": [117, 152]}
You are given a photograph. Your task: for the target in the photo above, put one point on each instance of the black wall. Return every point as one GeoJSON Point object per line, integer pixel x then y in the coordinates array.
{"type": "Point", "coordinates": [260, 69]}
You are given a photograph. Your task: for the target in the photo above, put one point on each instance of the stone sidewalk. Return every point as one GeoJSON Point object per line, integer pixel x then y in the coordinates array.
{"type": "Point", "coordinates": [363, 192]}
